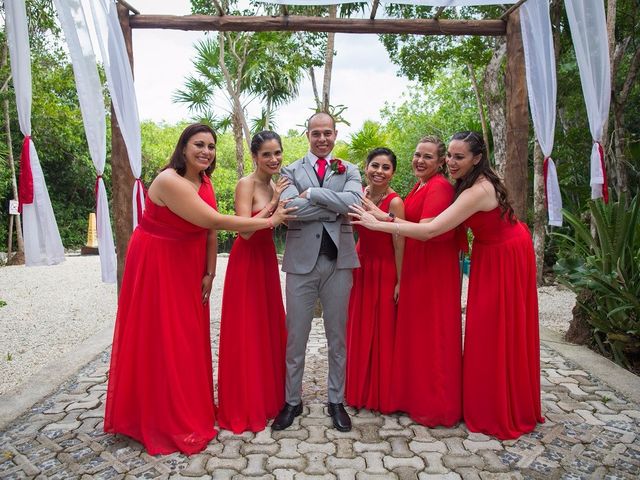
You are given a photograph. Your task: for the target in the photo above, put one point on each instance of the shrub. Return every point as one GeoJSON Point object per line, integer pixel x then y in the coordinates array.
{"type": "Point", "coordinates": [604, 271]}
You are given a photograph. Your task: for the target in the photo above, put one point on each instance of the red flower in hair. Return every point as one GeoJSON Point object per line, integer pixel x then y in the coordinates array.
{"type": "Point", "coordinates": [337, 166]}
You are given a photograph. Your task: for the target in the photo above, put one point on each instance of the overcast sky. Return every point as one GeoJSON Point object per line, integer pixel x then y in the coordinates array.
{"type": "Point", "coordinates": [363, 76]}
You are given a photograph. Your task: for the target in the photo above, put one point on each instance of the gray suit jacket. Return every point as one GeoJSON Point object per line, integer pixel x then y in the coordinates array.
{"type": "Point", "coordinates": [328, 208]}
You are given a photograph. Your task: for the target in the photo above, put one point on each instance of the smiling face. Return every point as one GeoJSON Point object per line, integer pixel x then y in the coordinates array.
{"type": "Point", "coordinates": [199, 152]}
{"type": "Point", "coordinates": [379, 171]}
{"type": "Point", "coordinates": [269, 157]}
{"type": "Point", "coordinates": [425, 161]}
{"type": "Point", "coordinates": [321, 133]}
{"type": "Point", "coordinates": [460, 159]}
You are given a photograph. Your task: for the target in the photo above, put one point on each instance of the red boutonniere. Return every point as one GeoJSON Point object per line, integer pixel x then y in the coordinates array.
{"type": "Point", "coordinates": [337, 166]}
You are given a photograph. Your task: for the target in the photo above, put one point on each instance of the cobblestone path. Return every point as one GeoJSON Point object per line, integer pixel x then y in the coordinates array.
{"type": "Point", "coordinates": [590, 432]}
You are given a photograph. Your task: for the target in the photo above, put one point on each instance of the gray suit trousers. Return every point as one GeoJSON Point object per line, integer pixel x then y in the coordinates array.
{"type": "Point", "coordinates": [333, 287]}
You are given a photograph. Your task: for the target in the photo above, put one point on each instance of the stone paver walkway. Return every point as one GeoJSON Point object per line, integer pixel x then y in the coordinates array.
{"type": "Point", "coordinates": [591, 432]}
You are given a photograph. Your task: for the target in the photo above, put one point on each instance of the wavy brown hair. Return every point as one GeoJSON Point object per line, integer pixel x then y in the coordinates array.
{"type": "Point", "coordinates": [177, 160]}
{"type": "Point", "coordinates": [477, 147]}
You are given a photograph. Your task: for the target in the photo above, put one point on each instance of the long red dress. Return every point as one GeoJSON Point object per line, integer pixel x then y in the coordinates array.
{"type": "Point", "coordinates": [160, 388]}
{"type": "Point", "coordinates": [501, 380]}
{"type": "Point", "coordinates": [253, 337]}
{"type": "Point", "coordinates": [371, 322]}
{"type": "Point", "coordinates": [427, 359]}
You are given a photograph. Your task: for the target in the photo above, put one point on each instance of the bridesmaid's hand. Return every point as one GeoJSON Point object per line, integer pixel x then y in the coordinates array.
{"type": "Point", "coordinates": [373, 209]}
{"type": "Point", "coordinates": [280, 186]}
{"type": "Point", "coordinates": [396, 292]}
{"type": "Point", "coordinates": [207, 283]}
{"type": "Point", "coordinates": [359, 216]}
{"type": "Point", "coordinates": [283, 213]}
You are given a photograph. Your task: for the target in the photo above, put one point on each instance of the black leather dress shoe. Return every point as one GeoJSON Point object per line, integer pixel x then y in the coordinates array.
{"type": "Point", "coordinates": [286, 416]}
{"type": "Point", "coordinates": [340, 417]}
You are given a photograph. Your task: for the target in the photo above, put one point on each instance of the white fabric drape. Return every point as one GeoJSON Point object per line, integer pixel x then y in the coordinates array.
{"type": "Point", "coordinates": [541, 85]}
{"type": "Point", "coordinates": [42, 243]}
{"type": "Point", "coordinates": [589, 33]}
{"type": "Point", "coordinates": [74, 24]}
{"type": "Point", "coordinates": [123, 94]}
{"type": "Point", "coordinates": [430, 3]}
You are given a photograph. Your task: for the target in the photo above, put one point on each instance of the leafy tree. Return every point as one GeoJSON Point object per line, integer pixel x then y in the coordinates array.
{"type": "Point", "coordinates": [244, 67]}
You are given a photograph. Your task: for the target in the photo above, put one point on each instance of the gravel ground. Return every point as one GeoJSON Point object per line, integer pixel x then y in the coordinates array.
{"type": "Point", "coordinates": [51, 310]}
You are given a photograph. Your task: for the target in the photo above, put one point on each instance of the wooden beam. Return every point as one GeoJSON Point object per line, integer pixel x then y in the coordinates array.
{"type": "Point", "coordinates": [121, 175]}
{"type": "Point", "coordinates": [232, 23]}
{"type": "Point", "coordinates": [511, 9]}
{"type": "Point", "coordinates": [128, 6]}
{"type": "Point", "coordinates": [516, 168]}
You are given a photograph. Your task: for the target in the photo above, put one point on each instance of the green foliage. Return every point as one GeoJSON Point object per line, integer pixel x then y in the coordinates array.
{"type": "Point", "coordinates": [3, 303]}
{"type": "Point", "coordinates": [371, 135]}
{"type": "Point", "coordinates": [606, 270]}
{"type": "Point", "coordinates": [423, 57]}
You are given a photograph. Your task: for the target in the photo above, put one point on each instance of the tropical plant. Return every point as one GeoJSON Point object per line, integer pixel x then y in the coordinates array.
{"type": "Point", "coordinates": [604, 271]}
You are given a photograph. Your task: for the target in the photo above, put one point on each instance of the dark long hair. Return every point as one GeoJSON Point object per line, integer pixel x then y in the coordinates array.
{"type": "Point", "coordinates": [259, 138]}
{"type": "Point", "coordinates": [477, 147]}
{"type": "Point", "coordinates": [376, 152]}
{"type": "Point", "coordinates": [177, 160]}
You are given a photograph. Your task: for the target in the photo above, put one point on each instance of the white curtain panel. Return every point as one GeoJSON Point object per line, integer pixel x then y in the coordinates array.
{"type": "Point", "coordinates": [589, 33]}
{"type": "Point", "coordinates": [541, 85]}
{"type": "Point", "coordinates": [123, 94]}
{"type": "Point", "coordinates": [42, 243]}
{"type": "Point", "coordinates": [74, 24]}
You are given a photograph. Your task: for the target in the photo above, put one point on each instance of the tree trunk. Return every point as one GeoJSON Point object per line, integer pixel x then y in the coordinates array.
{"type": "Point", "coordinates": [328, 63]}
{"type": "Point", "coordinates": [483, 119]}
{"type": "Point", "coordinates": [539, 213]}
{"type": "Point", "coordinates": [14, 184]}
{"type": "Point", "coordinates": [619, 172]}
{"type": "Point", "coordinates": [237, 112]}
{"type": "Point", "coordinates": [494, 98]}
{"type": "Point", "coordinates": [238, 137]}
{"type": "Point", "coordinates": [314, 85]}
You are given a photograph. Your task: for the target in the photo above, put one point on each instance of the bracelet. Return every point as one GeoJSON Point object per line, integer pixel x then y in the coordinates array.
{"type": "Point", "coordinates": [270, 210]}
{"type": "Point", "coordinates": [270, 223]}
{"type": "Point", "coordinates": [397, 229]}
{"type": "Point", "coordinates": [210, 274]}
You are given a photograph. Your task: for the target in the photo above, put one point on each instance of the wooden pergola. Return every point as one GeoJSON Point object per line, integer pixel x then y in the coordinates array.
{"type": "Point", "coordinates": [507, 25]}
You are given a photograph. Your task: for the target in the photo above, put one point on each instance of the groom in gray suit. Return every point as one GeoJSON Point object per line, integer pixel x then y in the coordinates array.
{"type": "Point", "coordinates": [318, 258]}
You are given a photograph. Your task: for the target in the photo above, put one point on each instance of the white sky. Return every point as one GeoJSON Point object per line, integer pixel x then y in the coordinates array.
{"type": "Point", "coordinates": [363, 76]}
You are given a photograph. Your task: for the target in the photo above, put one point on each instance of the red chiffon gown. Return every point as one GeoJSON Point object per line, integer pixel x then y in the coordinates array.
{"type": "Point", "coordinates": [371, 322]}
{"type": "Point", "coordinates": [501, 380]}
{"type": "Point", "coordinates": [427, 359]}
{"type": "Point", "coordinates": [253, 337]}
{"type": "Point", "coordinates": [160, 388]}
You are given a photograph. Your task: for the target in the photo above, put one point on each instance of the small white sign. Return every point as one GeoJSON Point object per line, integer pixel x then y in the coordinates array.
{"type": "Point", "coordinates": [13, 207]}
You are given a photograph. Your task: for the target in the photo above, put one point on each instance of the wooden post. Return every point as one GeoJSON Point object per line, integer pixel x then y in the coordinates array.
{"type": "Point", "coordinates": [515, 173]}
{"type": "Point", "coordinates": [121, 177]}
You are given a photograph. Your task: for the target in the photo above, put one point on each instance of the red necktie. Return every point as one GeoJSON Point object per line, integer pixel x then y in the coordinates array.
{"type": "Point", "coordinates": [322, 167]}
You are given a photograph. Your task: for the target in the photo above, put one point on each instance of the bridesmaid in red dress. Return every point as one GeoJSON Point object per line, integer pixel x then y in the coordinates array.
{"type": "Point", "coordinates": [501, 372]}
{"type": "Point", "coordinates": [372, 306]}
{"type": "Point", "coordinates": [253, 336]}
{"type": "Point", "coordinates": [160, 389]}
{"type": "Point", "coordinates": [427, 358]}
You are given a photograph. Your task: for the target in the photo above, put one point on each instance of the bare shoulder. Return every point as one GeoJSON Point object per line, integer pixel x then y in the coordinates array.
{"type": "Point", "coordinates": [166, 181]}
{"type": "Point", "coordinates": [483, 193]}
{"type": "Point", "coordinates": [245, 184]}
